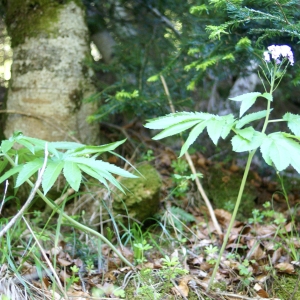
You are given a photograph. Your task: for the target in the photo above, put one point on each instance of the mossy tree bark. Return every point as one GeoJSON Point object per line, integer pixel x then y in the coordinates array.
{"type": "Point", "coordinates": [49, 75]}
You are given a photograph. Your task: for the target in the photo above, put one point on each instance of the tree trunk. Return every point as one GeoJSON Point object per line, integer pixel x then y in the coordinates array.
{"type": "Point", "coordinates": [49, 75]}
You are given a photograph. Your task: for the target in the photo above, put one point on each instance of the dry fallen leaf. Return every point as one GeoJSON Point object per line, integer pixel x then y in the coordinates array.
{"type": "Point", "coordinates": [285, 268]}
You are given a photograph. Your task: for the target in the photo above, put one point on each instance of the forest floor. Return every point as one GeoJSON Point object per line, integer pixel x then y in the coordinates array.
{"type": "Point", "coordinates": [174, 252]}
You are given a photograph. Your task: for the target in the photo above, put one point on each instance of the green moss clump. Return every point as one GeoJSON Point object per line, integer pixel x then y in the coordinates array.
{"type": "Point", "coordinates": [142, 197]}
{"type": "Point", "coordinates": [33, 18]}
{"type": "Point", "coordinates": [285, 286]}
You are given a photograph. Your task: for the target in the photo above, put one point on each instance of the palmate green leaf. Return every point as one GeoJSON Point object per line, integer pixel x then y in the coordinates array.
{"type": "Point", "coordinates": [87, 150]}
{"type": "Point", "coordinates": [293, 122]}
{"type": "Point", "coordinates": [28, 170]}
{"type": "Point", "coordinates": [72, 174]}
{"type": "Point", "coordinates": [172, 119]}
{"type": "Point", "coordinates": [250, 118]}
{"type": "Point", "coordinates": [11, 172]}
{"type": "Point", "coordinates": [281, 151]}
{"type": "Point", "coordinates": [241, 144]}
{"type": "Point", "coordinates": [51, 173]}
{"type": "Point", "coordinates": [93, 173]}
{"type": "Point", "coordinates": [247, 101]}
{"type": "Point", "coordinates": [100, 170]}
{"type": "Point", "coordinates": [175, 129]}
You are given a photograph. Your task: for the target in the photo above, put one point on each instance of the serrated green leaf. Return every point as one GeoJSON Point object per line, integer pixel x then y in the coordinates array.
{"type": "Point", "coordinates": [195, 132]}
{"type": "Point", "coordinates": [268, 96]}
{"type": "Point", "coordinates": [230, 120]}
{"type": "Point", "coordinates": [250, 118]}
{"type": "Point", "coordinates": [87, 150]}
{"type": "Point", "coordinates": [37, 144]}
{"type": "Point", "coordinates": [28, 170]}
{"type": "Point", "coordinates": [6, 145]}
{"type": "Point", "coordinates": [93, 173]}
{"type": "Point", "coordinates": [101, 165]}
{"type": "Point", "coordinates": [51, 174]}
{"type": "Point", "coordinates": [293, 122]}
{"type": "Point", "coordinates": [172, 119]}
{"type": "Point", "coordinates": [265, 150]}
{"type": "Point", "coordinates": [175, 129]}
{"type": "Point", "coordinates": [72, 174]}
{"type": "Point", "coordinates": [240, 144]}
{"type": "Point", "coordinates": [10, 172]}
{"type": "Point", "coordinates": [247, 101]}
{"type": "Point", "coordinates": [27, 145]}
{"type": "Point", "coordinates": [214, 129]}
{"type": "Point", "coordinates": [281, 151]}
{"type": "Point", "coordinates": [246, 133]}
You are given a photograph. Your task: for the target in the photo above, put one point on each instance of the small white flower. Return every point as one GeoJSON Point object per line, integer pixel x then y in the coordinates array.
{"type": "Point", "coordinates": [267, 56]}
{"type": "Point", "coordinates": [277, 51]}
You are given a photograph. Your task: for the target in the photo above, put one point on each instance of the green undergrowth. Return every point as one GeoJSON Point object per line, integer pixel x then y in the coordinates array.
{"type": "Point", "coordinates": [287, 286]}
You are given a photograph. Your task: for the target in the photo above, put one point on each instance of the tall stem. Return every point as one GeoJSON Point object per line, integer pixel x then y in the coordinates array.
{"type": "Point", "coordinates": [236, 208]}
{"type": "Point", "coordinates": [242, 186]}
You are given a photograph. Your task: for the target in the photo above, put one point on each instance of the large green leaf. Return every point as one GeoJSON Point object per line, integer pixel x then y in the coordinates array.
{"type": "Point", "coordinates": [293, 122]}
{"type": "Point", "coordinates": [251, 117]}
{"type": "Point", "coordinates": [72, 174]}
{"type": "Point", "coordinates": [281, 151]}
{"type": "Point", "coordinates": [28, 170]}
{"type": "Point", "coordinates": [247, 101]}
{"type": "Point", "coordinates": [241, 144]}
{"type": "Point", "coordinates": [51, 173]}
{"type": "Point", "coordinates": [176, 128]}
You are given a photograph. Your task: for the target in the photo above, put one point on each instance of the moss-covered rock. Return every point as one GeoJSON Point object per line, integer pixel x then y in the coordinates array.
{"type": "Point", "coordinates": [142, 195]}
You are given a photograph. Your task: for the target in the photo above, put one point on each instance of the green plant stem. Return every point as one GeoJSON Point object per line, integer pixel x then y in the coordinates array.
{"type": "Point", "coordinates": [75, 223]}
{"type": "Point", "coordinates": [241, 190]}
{"type": "Point", "coordinates": [238, 201]}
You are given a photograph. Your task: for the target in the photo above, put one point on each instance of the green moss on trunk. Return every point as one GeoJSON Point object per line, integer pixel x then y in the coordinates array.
{"type": "Point", "coordinates": [33, 18]}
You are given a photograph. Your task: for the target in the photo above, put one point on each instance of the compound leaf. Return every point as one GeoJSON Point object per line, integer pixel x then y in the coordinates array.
{"type": "Point", "coordinates": [247, 101]}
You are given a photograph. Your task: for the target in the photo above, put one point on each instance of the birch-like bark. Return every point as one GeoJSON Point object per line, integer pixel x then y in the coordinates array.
{"type": "Point", "coordinates": [49, 75]}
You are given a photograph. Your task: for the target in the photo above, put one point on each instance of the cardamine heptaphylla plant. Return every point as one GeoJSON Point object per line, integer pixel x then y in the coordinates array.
{"type": "Point", "coordinates": [278, 149]}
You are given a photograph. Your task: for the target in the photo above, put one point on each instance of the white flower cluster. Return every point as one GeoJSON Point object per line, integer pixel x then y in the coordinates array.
{"type": "Point", "coordinates": [277, 51]}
